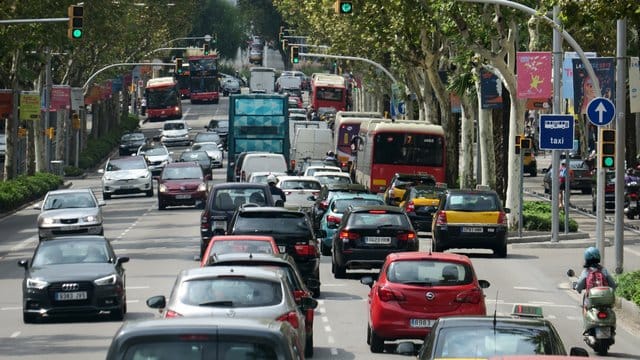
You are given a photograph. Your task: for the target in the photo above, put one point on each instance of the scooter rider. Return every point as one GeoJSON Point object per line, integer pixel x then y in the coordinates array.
{"type": "Point", "coordinates": [592, 263]}
{"type": "Point", "coordinates": [275, 191]}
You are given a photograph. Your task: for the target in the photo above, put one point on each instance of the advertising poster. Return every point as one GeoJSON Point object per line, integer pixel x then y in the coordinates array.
{"type": "Point", "coordinates": [29, 105]}
{"type": "Point", "coordinates": [534, 75]}
{"type": "Point", "coordinates": [567, 72]}
{"type": "Point", "coordinates": [6, 103]}
{"type": "Point", "coordinates": [490, 90]}
{"type": "Point", "coordinates": [60, 97]}
{"type": "Point", "coordinates": [634, 85]}
{"type": "Point", "coordinates": [583, 90]}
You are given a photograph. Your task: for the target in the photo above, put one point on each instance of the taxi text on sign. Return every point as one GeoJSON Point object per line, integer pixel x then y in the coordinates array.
{"type": "Point", "coordinates": [556, 132]}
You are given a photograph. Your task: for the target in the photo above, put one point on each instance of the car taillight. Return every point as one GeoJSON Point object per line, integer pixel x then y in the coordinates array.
{"type": "Point", "coordinates": [290, 317]}
{"type": "Point", "coordinates": [410, 207]}
{"type": "Point", "coordinates": [502, 218]}
{"type": "Point", "coordinates": [408, 236]}
{"type": "Point", "coordinates": [385, 294]}
{"type": "Point", "coordinates": [334, 219]}
{"type": "Point", "coordinates": [349, 235]}
{"type": "Point", "coordinates": [306, 249]}
{"type": "Point", "coordinates": [633, 196]}
{"type": "Point", "coordinates": [441, 218]}
{"type": "Point", "coordinates": [323, 205]}
{"type": "Point", "coordinates": [170, 314]}
{"type": "Point", "coordinates": [293, 164]}
{"type": "Point", "coordinates": [602, 315]}
{"type": "Point", "coordinates": [472, 296]}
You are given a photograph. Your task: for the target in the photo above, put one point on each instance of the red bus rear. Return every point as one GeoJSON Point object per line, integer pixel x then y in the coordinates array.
{"type": "Point", "coordinates": [183, 80]}
{"type": "Point", "coordinates": [204, 84]}
{"type": "Point", "coordinates": [328, 93]}
{"type": "Point", "coordinates": [408, 147]}
{"type": "Point", "coordinates": [163, 99]}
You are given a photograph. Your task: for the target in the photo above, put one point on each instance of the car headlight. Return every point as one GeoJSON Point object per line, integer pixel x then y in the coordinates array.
{"type": "Point", "coordinates": [36, 284]}
{"type": "Point", "coordinates": [92, 218]}
{"type": "Point", "coordinates": [106, 178]}
{"type": "Point", "coordinates": [202, 187]}
{"type": "Point", "coordinates": [107, 280]}
{"type": "Point", "coordinates": [146, 175]}
{"type": "Point", "coordinates": [162, 188]}
{"type": "Point", "coordinates": [49, 221]}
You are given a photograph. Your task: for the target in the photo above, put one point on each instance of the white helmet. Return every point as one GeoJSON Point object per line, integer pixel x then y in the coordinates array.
{"type": "Point", "coordinates": [271, 179]}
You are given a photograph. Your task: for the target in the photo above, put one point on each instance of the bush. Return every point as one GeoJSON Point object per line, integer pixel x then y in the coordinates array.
{"type": "Point", "coordinates": [536, 216]}
{"type": "Point", "coordinates": [629, 286]}
{"type": "Point", "coordinates": [17, 192]}
{"type": "Point", "coordinates": [72, 171]}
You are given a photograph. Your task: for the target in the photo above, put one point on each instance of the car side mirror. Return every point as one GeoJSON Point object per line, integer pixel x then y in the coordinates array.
{"type": "Point", "coordinates": [507, 210]}
{"type": "Point", "coordinates": [570, 273]}
{"type": "Point", "coordinates": [578, 351]}
{"type": "Point", "coordinates": [122, 260]}
{"type": "Point", "coordinates": [37, 206]}
{"type": "Point", "coordinates": [101, 203]}
{"type": "Point", "coordinates": [157, 302]}
{"type": "Point", "coordinates": [279, 203]}
{"type": "Point", "coordinates": [484, 284]}
{"type": "Point", "coordinates": [312, 283]}
{"type": "Point", "coordinates": [23, 263]}
{"type": "Point", "coordinates": [367, 280]}
{"type": "Point", "coordinates": [308, 303]}
{"type": "Point", "coordinates": [100, 171]}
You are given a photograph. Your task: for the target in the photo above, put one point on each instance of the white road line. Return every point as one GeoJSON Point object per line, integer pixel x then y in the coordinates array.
{"type": "Point", "coordinates": [327, 328]}
{"type": "Point", "coordinates": [636, 253]}
{"type": "Point", "coordinates": [11, 308]}
{"type": "Point", "coordinates": [525, 288]}
{"type": "Point", "coordinates": [541, 302]}
{"type": "Point", "coordinates": [330, 339]}
{"type": "Point", "coordinates": [15, 334]}
{"type": "Point", "coordinates": [334, 285]}
{"type": "Point", "coordinates": [550, 317]}
{"type": "Point", "coordinates": [137, 287]}
{"type": "Point", "coordinates": [133, 301]}
{"type": "Point", "coordinates": [324, 319]}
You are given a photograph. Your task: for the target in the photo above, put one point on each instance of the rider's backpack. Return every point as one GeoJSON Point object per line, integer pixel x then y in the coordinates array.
{"type": "Point", "coordinates": [595, 278]}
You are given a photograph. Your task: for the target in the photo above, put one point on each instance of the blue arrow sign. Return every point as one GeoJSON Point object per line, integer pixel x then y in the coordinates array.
{"type": "Point", "coordinates": [556, 132]}
{"type": "Point", "coordinates": [600, 111]}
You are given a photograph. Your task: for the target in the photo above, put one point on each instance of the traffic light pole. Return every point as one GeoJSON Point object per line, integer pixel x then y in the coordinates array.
{"type": "Point", "coordinates": [28, 21]}
{"type": "Point", "coordinates": [382, 68]}
{"type": "Point", "coordinates": [85, 87]}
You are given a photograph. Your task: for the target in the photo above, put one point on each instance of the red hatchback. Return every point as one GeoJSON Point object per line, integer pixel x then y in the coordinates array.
{"type": "Point", "coordinates": [226, 244]}
{"type": "Point", "coordinates": [182, 183]}
{"type": "Point", "coordinates": [414, 289]}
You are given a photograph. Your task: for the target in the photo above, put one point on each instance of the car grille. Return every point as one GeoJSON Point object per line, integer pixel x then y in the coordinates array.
{"type": "Point", "coordinates": [69, 286]}
{"type": "Point", "coordinates": [69, 221]}
{"type": "Point", "coordinates": [155, 162]}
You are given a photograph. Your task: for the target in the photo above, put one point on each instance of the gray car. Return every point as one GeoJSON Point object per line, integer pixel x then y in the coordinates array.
{"type": "Point", "coordinates": [69, 212]}
{"type": "Point", "coordinates": [224, 292]}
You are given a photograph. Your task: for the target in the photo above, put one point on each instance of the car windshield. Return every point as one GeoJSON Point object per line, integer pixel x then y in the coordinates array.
{"type": "Point", "coordinates": [70, 252]}
{"type": "Point", "coordinates": [241, 246]}
{"type": "Point", "coordinates": [299, 185]}
{"type": "Point", "coordinates": [154, 151]}
{"type": "Point", "coordinates": [402, 183]}
{"type": "Point", "coordinates": [484, 342]}
{"type": "Point", "coordinates": [341, 205]}
{"type": "Point", "coordinates": [375, 219]}
{"type": "Point", "coordinates": [174, 126]}
{"type": "Point", "coordinates": [202, 346]}
{"type": "Point", "coordinates": [206, 137]}
{"type": "Point", "coordinates": [181, 173]}
{"type": "Point", "coordinates": [233, 198]}
{"type": "Point", "coordinates": [333, 179]}
{"type": "Point", "coordinates": [116, 165]}
{"type": "Point", "coordinates": [132, 137]}
{"type": "Point", "coordinates": [205, 147]}
{"type": "Point", "coordinates": [430, 272]}
{"type": "Point", "coordinates": [472, 202]}
{"type": "Point", "coordinates": [271, 222]}
{"type": "Point", "coordinates": [194, 156]}
{"type": "Point", "coordinates": [427, 193]}
{"type": "Point", "coordinates": [69, 201]}
{"type": "Point", "coordinates": [230, 292]}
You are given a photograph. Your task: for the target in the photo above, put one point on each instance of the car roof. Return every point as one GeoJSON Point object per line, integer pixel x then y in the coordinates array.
{"type": "Point", "coordinates": [488, 321]}
{"type": "Point", "coordinates": [387, 208]}
{"type": "Point", "coordinates": [242, 237]}
{"type": "Point", "coordinates": [70, 191]}
{"type": "Point", "coordinates": [128, 158]}
{"type": "Point", "coordinates": [346, 187]}
{"type": "Point", "coordinates": [342, 196]}
{"type": "Point", "coordinates": [290, 177]}
{"type": "Point", "coordinates": [76, 238]}
{"type": "Point", "coordinates": [239, 185]}
{"type": "Point", "coordinates": [473, 192]}
{"type": "Point", "coordinates": [258, 257]}
{"type": "Point", "coordinates": [331, 173]}
{"type": "Point", "coordinates": [175, 121]}
{"type": "Point", "coordinates": [403, 176]}
{"type": "Point", "coordinates": [182, 164]}
{"type": "Point", "coordinates": [212, 271]}
{"type": "Point", "coordinates": [422, 255]}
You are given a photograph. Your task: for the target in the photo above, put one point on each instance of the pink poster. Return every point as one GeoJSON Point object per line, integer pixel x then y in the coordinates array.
{"type": "Point", "coordinates": [534, 75]}
{"type": "Point", "coordinates": [60, 97]}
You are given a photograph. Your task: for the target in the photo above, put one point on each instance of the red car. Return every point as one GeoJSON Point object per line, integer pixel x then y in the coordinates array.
{"type": "Point", "coordinates": [182, 183]}
{"type": "Point", "coordinates": [414, 289]}
{"type": "Point", "coordinates": [225, 244]}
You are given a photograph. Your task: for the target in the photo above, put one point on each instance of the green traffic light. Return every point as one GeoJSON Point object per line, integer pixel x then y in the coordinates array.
{"type": "Point", "coordinates": [346, 8]}
{"type": "Point", "coordinates": [296, 60]}
{"type": "Point", "coordinates": [608, 161]}
{"type": "Point", "coordinates": [76, 33]}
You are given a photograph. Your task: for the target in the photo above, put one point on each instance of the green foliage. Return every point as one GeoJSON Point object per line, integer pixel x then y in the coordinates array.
{"type": "Point", "coordinates": [536, 216]}
{"type": "Point", "coordinates": [72, 171]}
{"type": "Point", "coordinates": [15, 193]}
{"type": "Point", "coordinates": [98, 149]}
{"type": "Point", "coordinates": [629, 286]}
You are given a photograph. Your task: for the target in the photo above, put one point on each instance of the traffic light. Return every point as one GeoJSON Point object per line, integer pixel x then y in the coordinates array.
{"type": "Point", "coordinates": [178, 69]}
{"type": "Point", "coordinates": [50, 133]}
{"type": "Point", "coordinates": [525, 143]}
{"type": "Point", "coordinates": [607, 142]}
{"type": "Point", "coordinates": [343, 7]}
{"type": "Point", "coordinates": [281, 34]}
{"type": "Point", "coordinates": [295, 54]}
{"type": "Point", "coordinates": [518, 139]}
{"type": "Point", "coordinates": [75, 121]}
{"type": "Point", "coordinates": [76, 14]}
{"type": "Point", "coordinates": [206, 49]}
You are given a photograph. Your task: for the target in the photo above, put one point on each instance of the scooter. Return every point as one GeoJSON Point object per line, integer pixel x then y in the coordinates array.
{"type": "Point", "coordinates": [632, 200]}
{"type": "Point", "coordinates": [598, 317]}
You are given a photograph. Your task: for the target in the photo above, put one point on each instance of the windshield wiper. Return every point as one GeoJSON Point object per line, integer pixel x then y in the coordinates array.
{"type": "Point", "coordinates": [386, 226]}
{"type": "Point", "coordinates": [225, 303]}
{"type": "Point", "coordinates": [426, 283]}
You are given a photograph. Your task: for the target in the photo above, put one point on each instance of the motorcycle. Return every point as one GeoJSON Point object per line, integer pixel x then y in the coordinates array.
{"type": "Point", "coordinates": [598, 317]}
{"type": "Point", "coordinates": [632, 200]}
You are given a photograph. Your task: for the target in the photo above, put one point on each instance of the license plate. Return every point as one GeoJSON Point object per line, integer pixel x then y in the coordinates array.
{"type": "Point", "coordinates": [127, 187]}
{"type": "Point", "coordinates": [421, 323]}
{"type": "Point", "coordinates": [70, 227]}
{"type": "Point", "coordinates": [377, 240]}
{"type": "Point", "coordinates": [467, 229]}
{"type": "Point", "coordinates": [183, 196]}
{"type": "Point", "coordinates": [75, 295]}
{"type": "Point", "coordinates": [603, 332]}
{"type": "Point", "coordinates": [219, 225]}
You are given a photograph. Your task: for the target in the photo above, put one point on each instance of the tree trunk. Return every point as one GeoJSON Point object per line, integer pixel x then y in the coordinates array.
{"type": "Point", "coordinates": [467, 120]}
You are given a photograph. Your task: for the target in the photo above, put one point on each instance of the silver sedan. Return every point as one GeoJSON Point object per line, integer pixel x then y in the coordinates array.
{"type": "Point", "coordinates": [69, 212]}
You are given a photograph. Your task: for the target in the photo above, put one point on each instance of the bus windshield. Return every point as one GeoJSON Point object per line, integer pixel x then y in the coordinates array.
{"type": "Point", "coordinates": [408, 149]}
{"type": "Point", "coordinates": [330, 94]}
{"type": "Point", "coordinates": [162, 97]}
{"type": "Point", "coordinates": [203, 66]}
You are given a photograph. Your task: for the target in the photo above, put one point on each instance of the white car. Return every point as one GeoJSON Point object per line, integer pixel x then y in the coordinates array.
{"type": "Point", "coordinates": [213, 151]}
{"type": "Point", "coordinates": [261, 176]}
{"type": "Point", "coordinates": [311, 170]}
{"type": "Point", "coordinates": [298, 190]}
{"type": "Point", "coordinates": [126, 175]}
{"type": "Point", "coordinates": [175, 132]}
{"type": "Point", "coordinates": [157, 156]}
{"type": "Point", "coordinates": [332, 177]}
{"type": "Point", "coordinates": [69, 212]}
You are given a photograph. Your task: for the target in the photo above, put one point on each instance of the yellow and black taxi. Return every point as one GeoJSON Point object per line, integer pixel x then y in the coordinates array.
{"type": "Point", "coordinates": [529, 162]}
{"type": "Point", "coordinates": [470, 219]}
{"type": "Point", "coordinates": [420, 202]}
{"type": "Point", "coordinates": [399, 184]}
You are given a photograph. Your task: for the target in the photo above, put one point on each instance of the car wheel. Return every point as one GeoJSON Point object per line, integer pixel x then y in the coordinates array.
{"type": "Point", "coordinates": [106, 196]}
{"type": "Point", "coordinates": [118, 315]}
{"type": "Point", "coordinates": [376, 342]}
{"type": "Point", "coordinates": [339, 272]}
{"type": "Point", "coordinates": [161, 205]}
{"type": "Point", "coordinates": [325, 250]}
{"type": "Point", "coordinates": [368, 334]}
{"type": "Point", "coordinates": [534, 173]}
{"type": "Point", "coordinates": [150, 192]}
{"type": "Point", "coordinates": [435, 247]}
{"type": "Point", "coordinates": [203, 248]}
{"type": "Point", "coordinates": [308, 347]}
{"type": "Point", "coordinates": [501, 251]}
{"type": "Point", "coordinates": [28, 318]}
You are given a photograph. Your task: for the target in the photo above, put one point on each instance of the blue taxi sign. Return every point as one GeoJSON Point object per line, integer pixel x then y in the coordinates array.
{"type": "Point", "coordinates": [600, 111]}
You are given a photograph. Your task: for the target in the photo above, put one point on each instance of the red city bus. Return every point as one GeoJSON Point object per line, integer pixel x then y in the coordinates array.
{"type": "Point", "coordinates": [183, 82]}
{"type": "Point", "coordinates": [346, 127]}
{"type": "Point", "coordinates": [204, 84]}
{"type": "Point", "coordinates": [403, 146]}
{"type": "Point", "coordinates": [328, 93]}
{"type": "Point", "coordinates": [163, 99]}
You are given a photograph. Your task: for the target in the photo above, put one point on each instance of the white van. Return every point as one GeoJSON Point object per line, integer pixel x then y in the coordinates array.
{"type": "Point", "coordinates": [275, 163]}
{"type": "Point", "coordinates": [311, 143]}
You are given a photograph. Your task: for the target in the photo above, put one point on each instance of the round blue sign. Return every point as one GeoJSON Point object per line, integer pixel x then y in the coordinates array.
{"type": "Point", "coordinates": [600, 111]}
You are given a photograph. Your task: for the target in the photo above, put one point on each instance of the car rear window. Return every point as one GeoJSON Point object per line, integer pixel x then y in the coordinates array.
{"type": "Point", "coordinates": [432, 272]}
{"type": "Point", "coordinates": [472, 202]}
{"type": "Point", "coordinates": [299, 185]}
{"type": "Point", "coordinates": [486, 341]}
{"type": "Point", "coordinates": [233, 198]}
{"type": "Point", "coordinates": [199, 346]}
{"type": "Point", "coordinates": [341, 205]}
{"type": "Point", "coordinates": [269, 222]}
{"type": "Point", "coordinates": [230, 292]}
{"type": "Point", "coordinates": [241, 246]}
{"type": "Point", "coordinates": [375, 219]}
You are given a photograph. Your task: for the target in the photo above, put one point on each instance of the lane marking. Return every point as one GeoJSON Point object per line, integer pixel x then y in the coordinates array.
{"type": "Point", "coordinates": [137, 287]}
{"type": "Point", "coordinates": [327, 328]}
{"type": "Point", "coordinates": [525, 288]}
{"type": "Point", "coordinates": [11, 308]}
{"type": "Point", "coordinates": [324, 319]}
{"type": "Point", "coordinates": [15, 334]}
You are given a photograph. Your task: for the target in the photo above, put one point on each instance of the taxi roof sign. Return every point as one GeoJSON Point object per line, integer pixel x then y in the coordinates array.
{"type": "Point", "coordinates": [527, 311]}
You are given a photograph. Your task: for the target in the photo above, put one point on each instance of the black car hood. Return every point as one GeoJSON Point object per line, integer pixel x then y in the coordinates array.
{"type": "Point", "coordinates": [72, 272]}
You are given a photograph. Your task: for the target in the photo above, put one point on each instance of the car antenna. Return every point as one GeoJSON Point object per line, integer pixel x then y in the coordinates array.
{"type": "Point", "coordinates": [495, 311]}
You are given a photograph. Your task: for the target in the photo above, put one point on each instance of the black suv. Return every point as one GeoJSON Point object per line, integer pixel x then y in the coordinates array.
{"type": "Point", "coordinates": [130, 142]}
{"type": "Point", "coordinates": [367, 234]}
{"type": "Point", "coordinates": [323, 199]}
{"type": "Point", "coordinates": [293, 234]}
{"type": "Point", "coordinates": [223, 201]}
